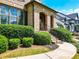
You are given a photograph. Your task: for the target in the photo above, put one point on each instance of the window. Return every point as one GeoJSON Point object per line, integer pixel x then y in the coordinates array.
{"type": "Point", "coordinates": [0, 9]}
{"type": "Point", "coordinates": [4, 17]}
{"type": "Point", "coordinates": [10, 15]}
{"type": "Point", "coordinates": [13, 20]}
{"type": "Point", "coordinates": [13, 16]}
{"type": "Point", "coordinates": [13, 11]}
{"type": "Point", "coordinates": [3, 10]}
{"type": "Point", "coordinates": [20, 17]}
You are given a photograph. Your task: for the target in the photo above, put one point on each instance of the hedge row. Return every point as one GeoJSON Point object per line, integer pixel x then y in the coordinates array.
{"type": "Point", "coordinates": [16, 31]}
{"type": "Point", "coordinates": [6, 44]}
{"type": "Point", "coordinates": [62, 34]}
{"type": "Point", "coordinates": [16, 34]}
{"type": "Point", "coordinates": [14, 43]}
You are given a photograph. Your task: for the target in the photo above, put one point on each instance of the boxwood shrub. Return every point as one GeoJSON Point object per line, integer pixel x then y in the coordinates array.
{"type": "Point", "coordinates": [16, 31]}
{"type": "Point", "coordinates": [14, 43]}
{"type": "Point", "coordinates": [62, 33]}
{"type": "Point", "coordinates": [3, 44]}
{"type": "Point", "coordinates": [42, 38]}
{"type": "Point", "coordinates": [27, 42]}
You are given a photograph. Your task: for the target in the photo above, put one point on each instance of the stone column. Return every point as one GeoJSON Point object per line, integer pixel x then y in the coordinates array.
{"type": "Point", "coordinates": [55, 23]}
{"type": "Point", "coordinates": [36, 21]}
{"type": "Point", "coordinates": [48, 22]}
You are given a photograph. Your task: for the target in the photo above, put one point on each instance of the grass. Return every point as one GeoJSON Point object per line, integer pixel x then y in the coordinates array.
{"type": "Point", "coordinates": [24, 52]}
{"type": "Point", "coordinates": [76, 56]}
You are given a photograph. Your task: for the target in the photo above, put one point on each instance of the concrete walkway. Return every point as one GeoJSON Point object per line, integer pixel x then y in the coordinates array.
{"type": "Point", "coordinates": [65, 51]}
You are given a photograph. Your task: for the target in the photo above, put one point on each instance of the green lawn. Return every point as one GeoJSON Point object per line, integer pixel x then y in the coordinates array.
{"type": "Point", "coordinates": [76, 56]}
{"type": "Point", "coordinates": [24, 52]}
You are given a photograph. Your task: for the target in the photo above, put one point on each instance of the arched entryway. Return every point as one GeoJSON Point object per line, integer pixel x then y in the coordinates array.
{"type": "Point", "coordinates": [51, 21]}
{"type": "Point", "coordinates": [43, 21]}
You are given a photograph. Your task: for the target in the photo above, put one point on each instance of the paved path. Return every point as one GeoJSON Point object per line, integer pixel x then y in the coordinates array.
{"type": "Point", "coordinates": [65, 51]}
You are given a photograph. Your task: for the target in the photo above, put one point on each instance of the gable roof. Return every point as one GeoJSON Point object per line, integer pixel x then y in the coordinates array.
{"type": "Point", "coordinates": [41, 5]}
{"type": "Point", "coordinates": [73, 15]}
{"type": "Point", "coordinates": [47, 7]}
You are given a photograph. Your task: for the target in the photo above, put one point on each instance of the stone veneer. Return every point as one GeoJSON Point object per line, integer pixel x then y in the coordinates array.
{"type": "Point", "coordinates": [37, 9]}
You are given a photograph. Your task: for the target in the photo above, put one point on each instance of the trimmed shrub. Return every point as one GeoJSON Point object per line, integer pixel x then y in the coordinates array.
{"type": "Point", "coordinates": [14, 43]}
{"type": "Point", "coordinates": [42, 38]}
{"type": "Point", "coordinates": [27, 42]}
{"type": "Point", "coordinates": [16, 31]}
{"type": "Point", "coordinates": [3, 44]}
{"type": "Point", "coordinates": [62, 34]}
{"type": "Point", "coordinates": [60, 25]}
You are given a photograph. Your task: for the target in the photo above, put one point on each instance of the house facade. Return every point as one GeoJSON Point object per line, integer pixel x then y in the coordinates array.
{"type": "Point", "coordinates": [28, 12]}
{"type": "Point", "coordinates": [75, 20]}
{"type": "Point", "coordinates": [70, 21]}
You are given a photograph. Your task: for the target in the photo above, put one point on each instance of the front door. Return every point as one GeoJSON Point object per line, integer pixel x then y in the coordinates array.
{"type": "Point", "coordinates": [43, 22]}
{"type": "Point", "coordinates": [51, 22]}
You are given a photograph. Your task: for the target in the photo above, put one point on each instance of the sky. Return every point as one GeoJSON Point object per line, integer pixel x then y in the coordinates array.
{"type": "Point", "coordinates": [64, 6]}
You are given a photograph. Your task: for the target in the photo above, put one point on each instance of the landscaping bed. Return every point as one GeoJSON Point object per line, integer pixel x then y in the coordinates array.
{"type": "Point", "coordinates": [35, 49]}
{"type": "Point", "coordinates": [20, 40]}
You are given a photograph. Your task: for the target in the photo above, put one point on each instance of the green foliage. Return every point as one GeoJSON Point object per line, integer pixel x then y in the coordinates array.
{"type": "Point", "coordinates": [3, 44]}
{"type": "Point", "coordinates": [16, 31]}
{"type": "Point", "coordinates": [14, 43]}
{"type": "Point", "coordinates": [62, 34]}
{"type": "Point", "coordinates": [60, 26]}
{"type": "Point", "coordinates": [27, 42]}
{"type": "Point", "coordinates": [42, 38]}
{"type": "Point", "coordinates": [77, 28]}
